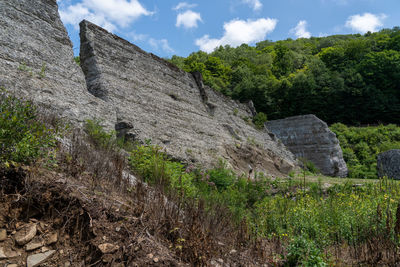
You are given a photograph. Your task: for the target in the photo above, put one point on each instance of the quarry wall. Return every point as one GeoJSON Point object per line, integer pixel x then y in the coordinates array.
{"type": "Point", "coordinates": [154, 100]}
{"type": "Point", "coordinates": [36, 62]}
{"type": "Point", "coordinates": [310, 138]}
{"type": "Point", "coordinates": [138, 94]}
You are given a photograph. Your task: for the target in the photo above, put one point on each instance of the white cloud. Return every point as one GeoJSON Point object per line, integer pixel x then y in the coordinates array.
{"type": "Point", "coordinates": [300, 31]}
{"type": "Point", "coordinates": [109, 14]}
{"type": "Point", "coordinates": [135, 37]}
{"type": "Point", "coordinates": [188, 19]}
{"type": "Point", "coordinates": [254, 4]}
{"type": "Point", "coordinates": [365, 22]}
{"type": "Point", "coordinates": [237, 32]}
{"type": "Point", "coordinates": [184, 5]}
{"type": "Point", "coordinates": [161, 44]}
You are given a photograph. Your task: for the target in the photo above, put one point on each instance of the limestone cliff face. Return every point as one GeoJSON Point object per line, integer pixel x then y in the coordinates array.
{"type": "Point", "coordinates": [138, 94]}
{"type": "Point", "coordinates": [309, 137]}
{"type": "Point", "coordinates": [36, 61]}
{"type": "Point", "coordinates": [155, 100]}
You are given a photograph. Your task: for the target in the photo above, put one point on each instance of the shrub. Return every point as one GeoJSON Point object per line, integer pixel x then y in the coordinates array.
{"type": "Point", "coordinates": [221, 176]}
{"type": "Point", "coordinates": [23, 137]}
{"type": "Point", "coordinates": [98, 135]}
{"type": "Point", "coordinates": [259, 120]}
{"type": "Point", "coordinates": [305, 252]}
{"type": "Point", "coordinates": [155, 168]}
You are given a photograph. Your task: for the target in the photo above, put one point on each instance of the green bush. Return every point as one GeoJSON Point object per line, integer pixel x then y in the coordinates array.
{"type": "Point", "coordinates": [361, 145]}
{"type": "Point", "coordinates": [155, 168]}
{"type": "Point", "coordinates": [259, 120]}
{"type": "Point", "coordinates": [98, 135]}
{"type": "Point", "coordinates": [221, 176]}
{"type": "Point", "coordinates": [304, 252]}
{"type": "Point", "coordinates": [23, 137]}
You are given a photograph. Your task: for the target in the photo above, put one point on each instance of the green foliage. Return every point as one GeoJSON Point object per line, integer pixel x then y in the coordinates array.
{"type": "Point", "coordinates": [306, 221]}
{"type": "Point", "coordinates": [23, 137]}
{"type": "Point", "coordinates": [42, 72]}
{"type": "Point", "coordinates": [259, 120]}
{"type": "Point", "coordinates": [157, 169]}
{"type": "Point", "coordinates": [311, 167]}
{"type": "Point", "coordinates": [77, 60]}
{"type": "Point", "coordinates": [305, 253]}
{"type": "Point", "coordinates": [98, 135]}
{"type": "Point", "coordinates": [221, 177]}
{"type": "Point", "coordinates": [361, 145]}
{"type": "Point", "coordinates": [350, 79]}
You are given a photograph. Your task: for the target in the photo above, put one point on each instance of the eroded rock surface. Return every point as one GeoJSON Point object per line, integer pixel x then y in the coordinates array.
{"type": "Point", "coordinates": [154, 100]}
{"type": "Point", "coordinates": [389, 164]}
{"type": "Point", "coordinates": [310, 138]}
{"type": "Point", "coordinates": [36, 61]}
{"type": "Point", "coordinates": [137, 94]}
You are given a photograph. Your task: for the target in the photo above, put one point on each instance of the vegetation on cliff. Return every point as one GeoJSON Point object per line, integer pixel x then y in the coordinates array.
{"type": "Point", "coordinates": [23, 136]}
{"type": "Point", "coordinates": [352, 79]}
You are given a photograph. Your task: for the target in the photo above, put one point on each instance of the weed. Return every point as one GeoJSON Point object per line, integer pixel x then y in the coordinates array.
{"type": "Point", "coordinates": [259, 120]}
{"type": "Point", "coordinates": [42, 72]}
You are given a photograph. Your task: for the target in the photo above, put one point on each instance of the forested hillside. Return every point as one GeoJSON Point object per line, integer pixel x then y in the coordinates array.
{"type": "Point", "coordinates": [352, 79]}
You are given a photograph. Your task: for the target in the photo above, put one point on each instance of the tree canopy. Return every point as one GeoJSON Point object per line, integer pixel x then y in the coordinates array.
{"type": "Point", "coordinates": [352, 79]}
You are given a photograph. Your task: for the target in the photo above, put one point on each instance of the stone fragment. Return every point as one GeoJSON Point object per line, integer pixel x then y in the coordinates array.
{"type": "Point", "coordinates": [155, 259]}
{"type": "Point", "coordinates": [12, 265]}
{"type": "Point", "coordinates": [388, 164]}
{"type": "Point", "coordinates": [51, 238]}
{"type": "Point", "coordinates": [25, 234]}
{"type": "Point", "coordinates": [2, 254]}
{"type": "Point", "coordinates": [36, 259]}
{"type": "Point", "coordinates": [150, 255]}
{"type": "Point", "coordinates": [8, 253]}
{"type": "Point", "coordinates": [45, 249]}
{"type": "Point", "coordinates": [107, 258]}
{"type": "Point", "coordinates": [3, 234]}
{"type": "Point", "coordinates": [310, 138]}
{"type": "Point", "coordinates": [108, 248]}
{"type": "Point", "coordinates": [37, 242]}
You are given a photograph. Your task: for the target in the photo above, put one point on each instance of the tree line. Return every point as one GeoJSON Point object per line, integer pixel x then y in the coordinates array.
{"type": "Point", "coordinates": [353, 79]}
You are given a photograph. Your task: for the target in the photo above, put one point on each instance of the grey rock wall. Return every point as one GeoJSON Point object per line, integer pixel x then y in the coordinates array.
{"type": "Point", "coordinates": [36, 62]}
{"type": "Point", "coordinates": [388, 164]}
{"type": "Point", "coordinates": [310, 138]}
{"type": "Point", "coordinates": [155, 100]}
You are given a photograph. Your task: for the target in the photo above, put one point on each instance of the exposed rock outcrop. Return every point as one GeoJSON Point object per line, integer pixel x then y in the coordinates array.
{"type": "Point", "coordinates": [135, 93]}
{"type": "Point", "coordinates": [173, 108]}
{"type": "Point", "coordinates": [310, 138]}
{"type": "Point", "coordinates": [389, 164]}
{"type": "Point", "coordinates": [36, 61]}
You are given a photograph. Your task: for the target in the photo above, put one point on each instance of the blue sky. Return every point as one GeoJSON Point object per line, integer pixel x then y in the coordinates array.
{"type": "Point", "coordinates": [176, 27]}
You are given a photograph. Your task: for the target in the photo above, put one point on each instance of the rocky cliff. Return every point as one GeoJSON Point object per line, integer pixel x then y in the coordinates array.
{"type": "Point", "coordinates": [310, 138]}
{"type": "Point", "coordinates": [388, 164]}
{"type": "Point", "coordinates": [155, 100]}
{"type": "Point", "coordinates": [137, 94]}
{"type": "Point", "coordinates": [36, 61]}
